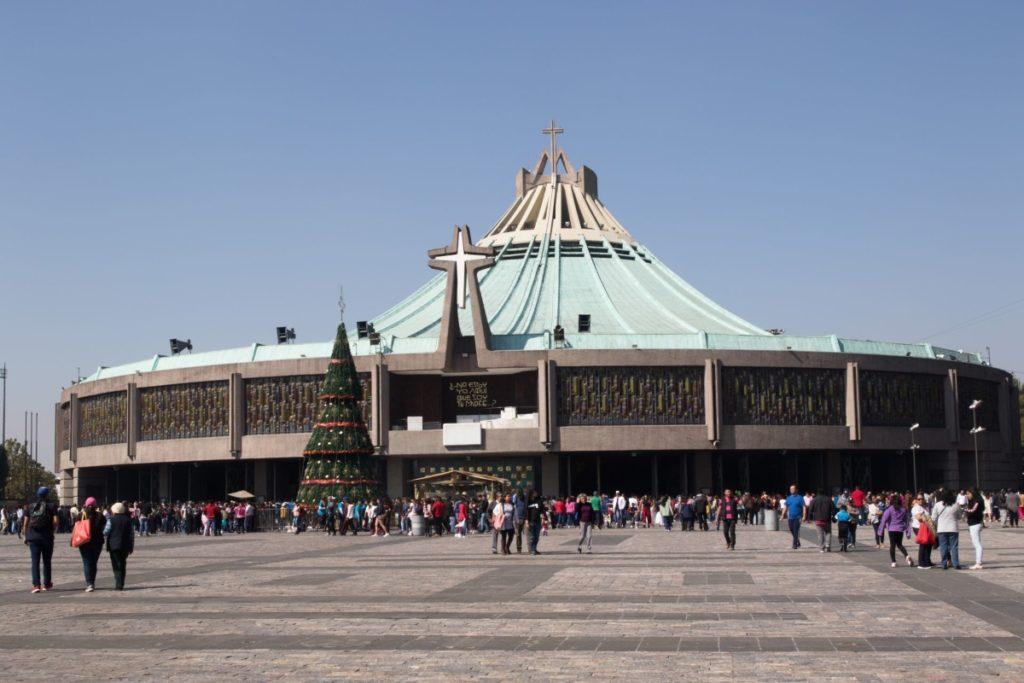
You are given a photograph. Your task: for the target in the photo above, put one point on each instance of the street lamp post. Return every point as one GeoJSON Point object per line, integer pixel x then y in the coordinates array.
{"type": "Point", "coordinates": [975, 430]}
{"type": "Point", "coordinates": [913, 451]}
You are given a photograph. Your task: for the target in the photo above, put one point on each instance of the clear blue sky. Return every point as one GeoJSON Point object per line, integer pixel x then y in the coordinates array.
{"type": "Point", "coordinates": [212, 170]}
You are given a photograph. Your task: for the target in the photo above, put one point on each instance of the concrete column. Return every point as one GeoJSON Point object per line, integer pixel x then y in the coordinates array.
{"type": "Point", "coordinates": [546, 400]}
{"type": "Point", "coordinates": [654, 473]}
{"type": "Point", "coordinates": [164, 479]}
{"type": "Point", "coordinates": [952, 467]}
{"type": "Point", "coordinates": [396, 477]}
{"type": "Point", "coordinates": [712, 398]}
{"type": "Point", "coordinates": [57, 437]}
{"type": "Point", "coordinates": [853, 400]}
{"type": "Point", "coordinates": [259, 487]}
{"type": "Point", "coordinates": [380, 404]}
{"type": "Point", "coordinates": [952, 408]}
{"type": "Point", "coordinates": [68, 495]}
{"type": "Point", "coordinates": [236, 413]}
{"type": "Point", "coordinates": [1014, 430]}
{"type": "Point", "coordinates": [702, 471]}
{"type": "Point", "coordinates": [833, 473]}
{"type": "Point", "coordinates": [793, 470]}
{"type": "Point", "coordinates": [1005, 390]}
{"type": "Point", "coordinates": [133, 419]}
{"type": "Point", "coordinates": [549, 474]}
{"type": "Point", "coordinates": [75, 419]}
{"type": "Point", "coordinates": [684, 473]}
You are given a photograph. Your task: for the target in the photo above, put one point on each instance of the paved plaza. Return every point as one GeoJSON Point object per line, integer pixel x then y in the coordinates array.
{"type": "Point", "coordinates": [646, 602]}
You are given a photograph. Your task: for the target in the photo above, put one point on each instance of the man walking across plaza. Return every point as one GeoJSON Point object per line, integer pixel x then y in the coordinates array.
{"type": "Point", "coordinates": [700, 507]}
{"type": "Point", "coordinates": [820, 512]}
{"type": "Point", "coordinates": [534, 518]}
{"type": "Point", "coordinates": [729, 513]}
{"type": "Point", "coordinates": [795, 513]}
{"type": "Point", "coordinates": [519, 518]}
{"type": "Point", "coordinates": [586, 511]}
{"type": "Point", "coordinates": [1012, 499]}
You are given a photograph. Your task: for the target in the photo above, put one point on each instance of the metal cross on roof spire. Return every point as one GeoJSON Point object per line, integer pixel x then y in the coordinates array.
{"type": "Point", "coordinates": [554, 132]}
{"type": "Point", "coordinates": [341, 303]}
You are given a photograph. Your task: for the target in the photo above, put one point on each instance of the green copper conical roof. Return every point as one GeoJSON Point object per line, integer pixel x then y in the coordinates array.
{"type": "Point", "coordinates": [561, 253]}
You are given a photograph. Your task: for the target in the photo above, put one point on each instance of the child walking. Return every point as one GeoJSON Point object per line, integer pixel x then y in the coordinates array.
{"type": "Point", "coordinates": [846, 522]}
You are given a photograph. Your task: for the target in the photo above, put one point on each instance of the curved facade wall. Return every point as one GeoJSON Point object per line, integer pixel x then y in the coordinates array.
{"type": "Point", "coordinates": [699, 408]}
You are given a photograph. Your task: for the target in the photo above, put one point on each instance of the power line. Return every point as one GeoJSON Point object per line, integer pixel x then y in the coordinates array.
{"type": "Point", "coordinates": [983, 317]}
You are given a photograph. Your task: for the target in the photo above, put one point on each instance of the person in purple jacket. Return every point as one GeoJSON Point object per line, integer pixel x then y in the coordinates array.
{"type": "Point", "coordinates": [896, 520]}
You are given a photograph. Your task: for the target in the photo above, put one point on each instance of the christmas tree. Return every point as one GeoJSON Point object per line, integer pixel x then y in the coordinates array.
{"type": "Point", "coordinates": [338, 460]}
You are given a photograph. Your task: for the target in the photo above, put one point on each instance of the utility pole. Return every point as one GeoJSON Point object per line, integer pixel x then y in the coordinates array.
{"type": "Point", "coordinates": [3, 419]}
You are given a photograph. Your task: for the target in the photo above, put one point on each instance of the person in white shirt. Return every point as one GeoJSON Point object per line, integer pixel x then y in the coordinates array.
{"type": "Point", "coordinates": [915, 514]}
{"type": "Point", "coordinates": [946, 516]}
{"type": "Point", "coordinates": [495, 510]}
{"type": "Point", "coordinates": [619, 509]}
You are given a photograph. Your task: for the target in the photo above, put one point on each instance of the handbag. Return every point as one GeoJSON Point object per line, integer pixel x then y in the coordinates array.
{"type": "Point", "coordinates": [81, 534]}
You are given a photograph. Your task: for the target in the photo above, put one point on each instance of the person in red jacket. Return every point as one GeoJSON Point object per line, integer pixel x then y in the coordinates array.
{"type": "Point", "coordinates": [859, 513]}
{"type": "Point", "coordinates": [210, 511]}
{"type": "Point", "coordinates": [437, 516]}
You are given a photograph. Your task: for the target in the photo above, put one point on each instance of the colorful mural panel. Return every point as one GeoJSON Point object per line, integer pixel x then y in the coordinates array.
{"type": "Point", "coordinates": [900, 399]}
{"type": "Point", "coordinates": [103, 419]}
{"type": "Point", "coordinates": [630, 395]}
{"type": "Point", "coordinates": [287, 405]}
{"type": "Point", "coordinates": [968, 390]}
{"type": "Point", "coordinates": [184, 411]}
{"type": "Point", "coordinates": [783, 396]}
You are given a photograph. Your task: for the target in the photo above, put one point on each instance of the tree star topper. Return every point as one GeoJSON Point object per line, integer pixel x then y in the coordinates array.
{"type": "Point", "coordinates": [465, 259]}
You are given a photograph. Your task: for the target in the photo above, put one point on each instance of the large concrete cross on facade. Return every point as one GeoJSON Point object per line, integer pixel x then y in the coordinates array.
{"type": "Point", "coordinates": [464, 258]}
{"type": "Point", "coordinates": [554, 132]}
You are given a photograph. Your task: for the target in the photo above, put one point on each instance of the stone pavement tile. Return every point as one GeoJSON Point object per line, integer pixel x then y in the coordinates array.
{"type": "Point", "coordinates": [851, 644]}
{"type": "Point", "coordinates": [814, 644]}
{"type": "Point", "coordinates": [735, 644]}
{"type": "Point", "coordinates": [1007, 644]}
{"type": "Point", "coordinates": [889, 644]}
{"type": "Point", "coordinates": [776, 644]}
{"type": "Point", "coordinates": [930, 644]}
{"type": "Point", "coordinates": [698, 645]}
{"type": "Point", "coordinates": [584, 643]}
{"type": "Point", "coordinates": [540, 644]}
{"type": "Point", "coordinates": [972, 644]}
{"type": "Point", "coordinates": [620, 644]}
{"type": "Point", "coordinates": [659, 644]}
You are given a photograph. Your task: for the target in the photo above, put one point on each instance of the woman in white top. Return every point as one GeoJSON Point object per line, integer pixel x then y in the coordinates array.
{"type": "Point", "coordinates": [946, 516]}
{"type": "Point", "coordinates": [915, 514]}
{"type": "Point", "coordinates": [874, 519]}
{"type": "Point", "coordinates": [974, 511]}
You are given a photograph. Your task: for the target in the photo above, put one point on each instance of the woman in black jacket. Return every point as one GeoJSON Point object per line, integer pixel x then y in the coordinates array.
{"type": "Point", "coordinates": [91, 550]}
{"type": "Point", "coordinates": [120, 542]}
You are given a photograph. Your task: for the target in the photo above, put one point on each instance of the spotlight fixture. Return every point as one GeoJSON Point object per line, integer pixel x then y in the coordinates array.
{"type": "Point", "coordinates": [177, 346]}
{"type": "Point", "coordinates": [284, 334]}
{"type": "Point", "coordinates": [559, 334]}
{"type": "Point", "coordinates": [776, 331]}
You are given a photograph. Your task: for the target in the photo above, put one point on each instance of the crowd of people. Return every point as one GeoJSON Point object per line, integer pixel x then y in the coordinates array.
{"type": "Point", "coordinates": [932, 520]}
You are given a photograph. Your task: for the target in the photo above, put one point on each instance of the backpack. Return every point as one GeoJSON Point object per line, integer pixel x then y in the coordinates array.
{"type": "Point", "coordinates": [39, 518]}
